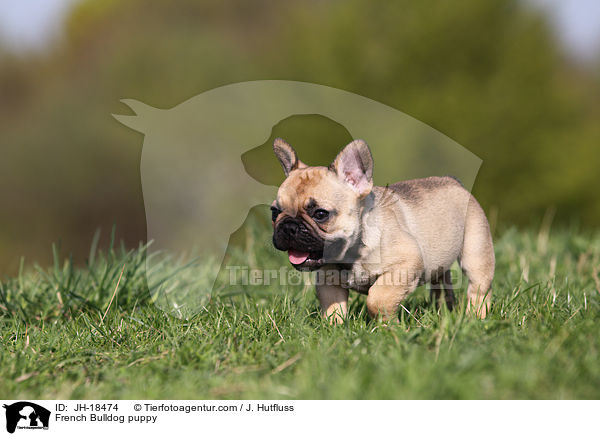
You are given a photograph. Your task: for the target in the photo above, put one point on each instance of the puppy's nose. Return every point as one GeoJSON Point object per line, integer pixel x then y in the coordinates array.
{"type": "Point", "coordinates": [289, 228]}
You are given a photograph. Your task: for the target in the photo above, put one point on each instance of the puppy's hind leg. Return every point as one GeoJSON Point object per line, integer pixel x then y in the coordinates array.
{"type": "Point", "coordinates": [448, 289]}
{"type": "Point", "coordinates": [477, 260]}
{"type": "Point", "coordinates": [436, 289]}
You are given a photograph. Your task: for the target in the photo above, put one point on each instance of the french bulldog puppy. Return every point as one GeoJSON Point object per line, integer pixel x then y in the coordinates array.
{"type": "Point", "coordinates": [381, 241]}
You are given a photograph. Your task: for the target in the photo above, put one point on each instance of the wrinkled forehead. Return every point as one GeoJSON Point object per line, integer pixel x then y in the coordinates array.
{"type": "Point", "coordinates": [306, 186]}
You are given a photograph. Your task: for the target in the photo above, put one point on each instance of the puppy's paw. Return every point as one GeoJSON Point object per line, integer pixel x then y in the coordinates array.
{"type": "Point", "coordinates": [479, 306]}
{"type": "Point", "coordinates": [336, 320]}
{"type": "Point", "coordinates": [335, 317]}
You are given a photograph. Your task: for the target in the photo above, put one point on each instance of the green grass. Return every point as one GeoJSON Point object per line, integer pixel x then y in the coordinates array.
{"type": "Point", "coordinates": [541, 339]}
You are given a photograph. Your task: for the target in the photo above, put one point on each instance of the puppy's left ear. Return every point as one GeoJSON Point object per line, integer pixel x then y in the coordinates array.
{"type": "Point", "coordinates": [287, 156]}
{"type": "Point", "coordinates": [354, 165]}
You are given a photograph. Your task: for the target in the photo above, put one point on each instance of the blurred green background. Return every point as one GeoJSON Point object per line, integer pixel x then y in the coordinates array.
{"type": "Point", "coordinates": [494, 76]}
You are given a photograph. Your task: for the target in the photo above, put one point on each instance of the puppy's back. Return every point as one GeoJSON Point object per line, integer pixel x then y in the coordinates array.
{"type": "Point", "coordinates": [414, 190]}
{"type": "Point", "coordinates": [435, 210]}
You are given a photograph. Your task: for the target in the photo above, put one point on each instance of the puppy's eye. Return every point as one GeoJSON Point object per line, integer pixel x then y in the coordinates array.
{"type": "Point", "coordinates": [320, 215]}
{"type": "Point", "coordinates": [274, 213]}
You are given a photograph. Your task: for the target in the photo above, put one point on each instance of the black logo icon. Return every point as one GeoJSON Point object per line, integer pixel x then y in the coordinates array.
{"type": "Point", "coordinates": [26, 415]}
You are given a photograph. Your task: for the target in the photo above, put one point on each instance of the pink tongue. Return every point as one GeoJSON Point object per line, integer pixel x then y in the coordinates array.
{"type": "Point", "coordinates": [297, 257]}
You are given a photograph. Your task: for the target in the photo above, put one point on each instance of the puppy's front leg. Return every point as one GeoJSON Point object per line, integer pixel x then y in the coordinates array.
{"type": "Point", "coordinates": [390, 289]}
{"type": "Point", "coordinates": [333, 299]}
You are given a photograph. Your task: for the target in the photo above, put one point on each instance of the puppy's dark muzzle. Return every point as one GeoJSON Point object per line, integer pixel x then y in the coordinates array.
{"type": "Point", "coordinates": [290, 229]}
{"type": "Point", "coordinates": [293, 233]}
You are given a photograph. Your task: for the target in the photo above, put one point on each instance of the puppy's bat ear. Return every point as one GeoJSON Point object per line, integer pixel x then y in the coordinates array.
{"type": "Point", "coordinates": [287, 156]}
{"type": "Point", "coordinates": [354, 164]}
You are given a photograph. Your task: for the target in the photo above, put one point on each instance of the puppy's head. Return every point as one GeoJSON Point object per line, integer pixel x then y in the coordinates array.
{"type": "Point", "coordinates": [317, 213]}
